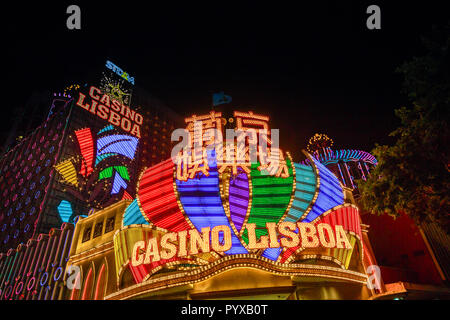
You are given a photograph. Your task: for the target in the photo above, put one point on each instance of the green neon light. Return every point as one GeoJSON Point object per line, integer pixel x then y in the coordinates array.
{"type": "Point", "coordinates": [105, 173]}
{"type": "Point", "coordinates": [270, 199]}
{"type": "Point", "coordinates": [108, 172]}
{"type": "Point", "coordinates": [122, 170]}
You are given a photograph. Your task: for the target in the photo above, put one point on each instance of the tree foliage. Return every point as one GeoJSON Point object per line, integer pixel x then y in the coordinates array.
{"type": "Point", "coordinates": [413, 175]}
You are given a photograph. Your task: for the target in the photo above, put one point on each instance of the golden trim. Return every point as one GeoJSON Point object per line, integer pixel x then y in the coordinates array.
{"type": "Point", "coordinates": [177, 196]}
{"type": "Point", "coordinates": [237, 261]}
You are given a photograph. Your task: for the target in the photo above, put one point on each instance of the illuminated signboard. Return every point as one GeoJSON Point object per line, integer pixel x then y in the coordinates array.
{"type": "Point", "coordinates": [219, 239]}
{"type": "Point", "coordinates": [104, 163]}
{"type": "Point", "coordinates": [223, 208]}
{"type": "Point", "coordinates": [112, 110]}
{"type": "Point", "coordinates": [119, 71]}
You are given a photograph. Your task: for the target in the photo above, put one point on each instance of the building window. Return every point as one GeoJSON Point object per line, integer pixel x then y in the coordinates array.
{"type": "Point", "coordinates": [109, 225]}
{"type": "Point", "coordinates": [98, 229]}
{"type": "Point", "coordinates": [87, 234]}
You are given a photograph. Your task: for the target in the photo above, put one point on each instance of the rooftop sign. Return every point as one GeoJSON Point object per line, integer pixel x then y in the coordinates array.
{"type": "Point", "coordinates": [119, 71]}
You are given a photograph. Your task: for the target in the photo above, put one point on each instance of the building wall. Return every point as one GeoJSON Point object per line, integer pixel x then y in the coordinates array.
{"type": "Point", "coordinates": [35, 271]}
{"type": "Point", "coordinates": [401, 250]}
{"type": "Point", "coordinates": [93, 253]}
{"type": "Point", "coordinates": [26, 173]}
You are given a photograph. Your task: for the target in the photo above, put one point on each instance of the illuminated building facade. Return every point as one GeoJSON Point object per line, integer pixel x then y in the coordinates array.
{"type": "Point", "coordinates": [419, 266]}
{"type": "Point", "coordinates": [210, 223]}
{"type": "Point", "coordinates": [220, 228]}
{"type": "Point", "coordinates": [26, 174]}
{"type": "Point", "coordinates": [35, 270]}
{"type": "Point", "coordinates": [85, 156]}
{"type": "Point", "coordinates": [348, 165]}
{"type": "Point", "coordinates": [159, 123]}
{"type": "Point", "coordinates": [73, 164]}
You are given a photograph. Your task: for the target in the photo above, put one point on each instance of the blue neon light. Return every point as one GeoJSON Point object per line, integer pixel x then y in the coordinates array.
{"type": "Point", "coordinates": [120, 144]}
{"type": "Point", "coordinates": [330, 193]}
{"type": "Point", "coordinates": [119, 71]}
{"type": "Point", "coordinates": [118, 183]}
{"type": "Point", "coordinates": [65, 210]}
{"type": "Point", "coordinates": [107, 128]}
{"type": "Point", "coordinates": [304, 191]}
{"type": "Point", "coordinates": [202, 203]}
{"type": "Point", "coordinates": [133, 215]}
{"type": "Point", "coordinates": [103, 157]}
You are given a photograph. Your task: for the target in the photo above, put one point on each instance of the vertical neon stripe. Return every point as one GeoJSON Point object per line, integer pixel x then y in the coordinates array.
{"type": "Point", "coordinates": [75, 291]}
{"type": "Point", "coordinates": [86, 144]}
{"type": "Point", "coordinates": [87, 286]}
{"type": "Point", "coordinates": [99, 288]}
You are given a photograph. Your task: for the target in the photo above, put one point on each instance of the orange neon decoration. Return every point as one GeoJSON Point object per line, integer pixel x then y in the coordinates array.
{"type": "Point", "coordinates": [101, 282]}
{"type": "Point", "coordinates": [87, 286]}
{"type": "Point", "coordinates": [86, 143]}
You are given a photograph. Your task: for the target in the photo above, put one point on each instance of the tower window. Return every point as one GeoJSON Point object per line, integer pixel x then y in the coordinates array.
{"type": "Point", "coordinates": [87, 234]}
{"type": "Point", "coordinates": [98, 229]}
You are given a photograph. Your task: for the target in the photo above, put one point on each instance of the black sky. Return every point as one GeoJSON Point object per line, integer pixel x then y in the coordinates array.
{"type": "Point", "coordinates": [311, 67]}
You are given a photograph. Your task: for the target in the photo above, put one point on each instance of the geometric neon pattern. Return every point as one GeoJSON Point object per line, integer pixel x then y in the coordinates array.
{"type": "Point", "coordinates": [157, 198]}
{"type": "Point", "coordinates": [85, 183]}
{"type": "Point", "coordinates": [203, 205]}
{"type": "Point", "coordinates": [86, 144]}
{"type": "Point", "coordinates": [118, 183]}
{"type": "Point", "coordinates": [133, 215]}
{"type": "Point", "coordinates": [65, 210]}
{"type": "Point", "coordinates": [345, 215]}
{"type": "Point", "coordinates": [271, 197]}
{"type": "Point", "coordinates": [107, 128]}
{"type": "Point", "coordinates": [108, 172]}
{"type": "Point", "coordinates": [333, 156]}
{"type": "Point", "coordinates": [239, 196]}
{"type": "Point", "coordinates": [67, 170]}
{"type": "Point", "coordinates": [119, 144]}
{"type": "Point", "coordinates": [330, 192]}
{"type": "Point", "coordinates": [103, 157]}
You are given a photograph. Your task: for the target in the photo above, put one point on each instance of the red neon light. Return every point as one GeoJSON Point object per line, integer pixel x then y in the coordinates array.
{"type": "Point", "coordinates": [86, 143]}
{"type": "Point", "coordinates": [158, 200]}
{"type": "Point", "coordinates": [87, 286]}
{"type": "Point", "coordinates": [347, 217]}
{"type": "Point", "coordinates": [74, 290]}
{"type": "Point", "coordinates": [127, 196]}
{"type": "Point", "coordinates": [142, 271]}
{"type": "Point", "coordinates": [99, 288]}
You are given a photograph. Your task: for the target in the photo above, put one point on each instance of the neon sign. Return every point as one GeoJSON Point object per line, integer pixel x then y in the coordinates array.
{"type": "Point", "coordinates": [204, 133]}
{"type": "Point", "coordinates": [119, 71]}
{"type": "Point", "coordinates": [199, 212]}
{"type": "Point", "coordinates": [112, 110]}
{"type": "Point", "coordinates": [87, 177]}
{"type": "Point", "coordinates": [219, 239]}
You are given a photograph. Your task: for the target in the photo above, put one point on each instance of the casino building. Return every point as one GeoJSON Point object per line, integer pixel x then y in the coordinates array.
{"type": "Point", "coordinates": [95, 208]}
{"type": "Point", "coordinates": [205, 230]}
{"type": "Point", "coordinates": [75, 162]}
{"type": "Point", "coordinates": [79, 159]}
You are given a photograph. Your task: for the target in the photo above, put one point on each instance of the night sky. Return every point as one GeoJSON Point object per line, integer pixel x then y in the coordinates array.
{"type": "Point", "coordinates": [312, 68]}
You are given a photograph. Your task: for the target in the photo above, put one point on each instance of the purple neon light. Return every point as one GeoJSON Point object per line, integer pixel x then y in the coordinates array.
{"type": "Point", "coordinates": [333, 156]}
{"type": "Point", "coordinates": [202, 203]}
{"type": "Point", "coordinates": [118, 183]}
{"type": "Point", "coordinates": [238, 199]}
{"type": "Point", "coordinates": [121, 144]}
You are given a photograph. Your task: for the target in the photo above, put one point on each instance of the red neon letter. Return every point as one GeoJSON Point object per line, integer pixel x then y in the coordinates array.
{"type": "Point", "coordinates": [91, 93]}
